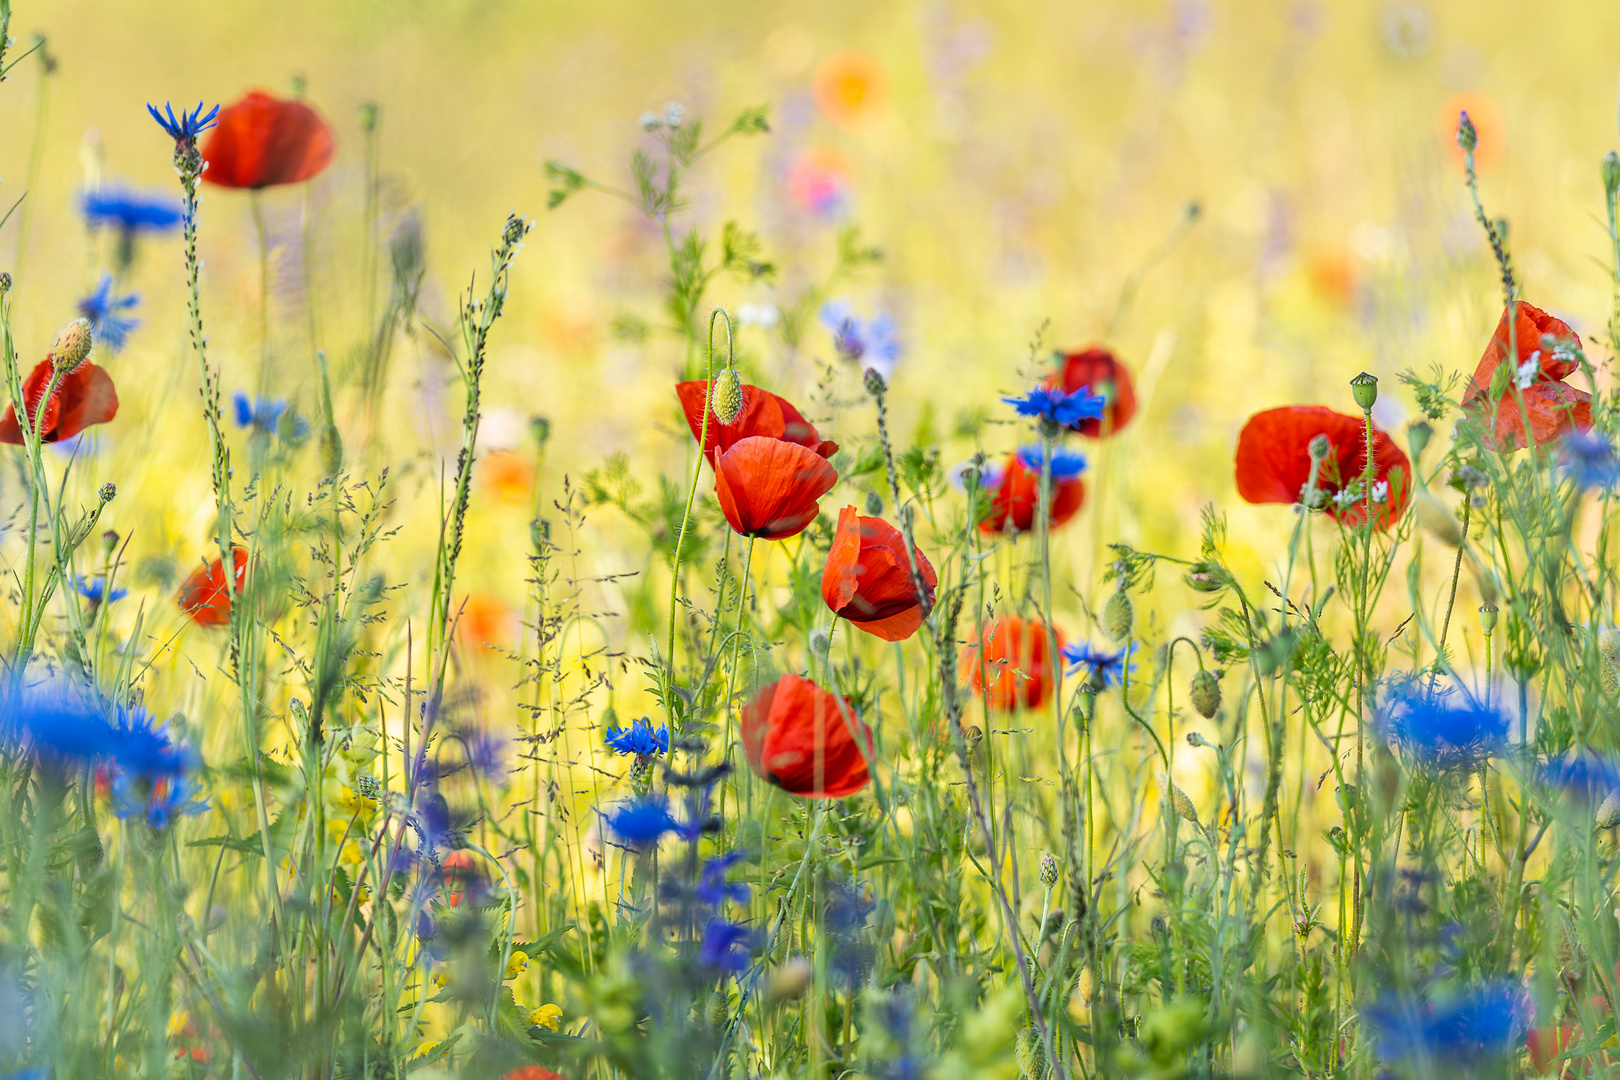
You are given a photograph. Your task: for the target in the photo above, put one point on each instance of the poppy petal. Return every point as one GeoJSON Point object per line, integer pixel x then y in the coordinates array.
{"type": "Point", "coordinates": [1530, 325]}
{"type": "Point", "coordinates": [263, 140]}
{"type": "Point", "coordinates": [763, 413]}
{"type": "Point", "coordinates": [838, 578]}
{"type": "Point", "coordinates": [805, 740]}
{"type": "Point", "coordinates": [769, 488]}
{"type": "Point", "coordinates": [87, 396]}
{"type": "Point", "coordinates": [1099, 369]}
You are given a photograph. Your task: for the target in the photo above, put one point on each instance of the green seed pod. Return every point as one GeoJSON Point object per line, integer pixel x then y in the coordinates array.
{"type": "Point", "coordinates": [718, 1013]}
{"type": "Point", "coordinates": [726, 398]}
{"type": "Point", "coordinates": [1364, 388]}
{"type": "Point", "coordinates": [1609, 677]}
{"type": "Point", "coordinates": [72, 345]}
{"type": "Point", "coordinates": [1487, 617]}
{"type": "Point", "coordinates": [1030, 1053]}
{"type": "Point", "coordinates": [1118, 616]}
{"type": "Point", "coordinates": [1608, 811]}
{"type": "Point", "coordinates": [1206, 693]}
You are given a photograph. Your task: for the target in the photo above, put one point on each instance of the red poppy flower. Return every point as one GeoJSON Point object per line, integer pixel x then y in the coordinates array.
{"type": "Point", "coordinates": [868, 581]}
{"type": "Point", "coordinates": [1548, 1044]}
{"type": "Point", "coordinates": [1015, 664]}
{"type": "Point", "coordinates": [798, 737]}
{"type": "Point", "coordinates": [460, 874]}
{"type": "Point", "coordinates": [84, 396]}
{"type": "Point", "coordinates": [262, 141]}
{"type": "Point", "coordinates": [769, 488]}
{"type": "Point", "coordinates": [1015, 497]}
{"type": "Point", "coordinates": [203, 595]}
{"type": "Point", "coordinates": [763, 413]}
{"type": "Point", "coordinates": [1554, 407]}
{"type": "Point", "coordinates": [1101, 370]}
{"type": "Point", "coordinates": [531, 1072]}
{"type": "Point", "coordinates": [1274, 462]}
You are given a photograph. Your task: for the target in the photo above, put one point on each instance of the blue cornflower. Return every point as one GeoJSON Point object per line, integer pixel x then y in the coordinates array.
{"type": "Point", "coordinates": [641, 823]}
{"type": "Point", "coordinates": [639, 738]}
{"type": "Point", "coordinates": [61, 726]}
{"type": "Point", "coordinates": [1064, 462]}
{"type": "Point", "coordinates": [873, 343]}
{"type": "Point", "coordinates": [1103, 668]}
{"type": "Point", "coordinates": [1481, 1022]}
{"type": "Point", "coordinates": [725, 945]}
{"type": "Point", "coordinates": [1441, 734]}
{"type": "Point", "coordinates": [1589, 460]}
{"type": "Point", "coordinates": [188, 125]}
{"type": "Point", "coordinates": [95, 590]}
{"type": "Point", "coordinates": [714, 889]}
{"type": "Point", "coordinates": [159, 800]}
{"type": "Point", "coordinates": [1061, 408]}
{"type": "Point", "coordinates": [105, 312]}
{"type": "Point", "coordinates": [1587, 775]}
{"type": "Point", "coordinates": [131, 211]}
{"type": "Point", "coordinates": [261, 413]}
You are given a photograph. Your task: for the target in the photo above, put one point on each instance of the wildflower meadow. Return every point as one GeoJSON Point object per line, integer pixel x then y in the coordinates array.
{"type": "Point", "coordinates": [953, 542]}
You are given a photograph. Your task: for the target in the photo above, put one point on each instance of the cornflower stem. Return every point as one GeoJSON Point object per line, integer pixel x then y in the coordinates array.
{"type": "Point", "coordinates": [1451, 601]}
{"type": "Point", "coordinates": [686, 517]}
{"type": "Point", "coordinates": [953, 713]}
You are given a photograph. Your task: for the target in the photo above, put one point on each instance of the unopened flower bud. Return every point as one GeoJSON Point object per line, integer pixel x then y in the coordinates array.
{"type": "Point", "coordinates": [1608, 811]}
{"type": "Point", "coordinates": [1611, 173]}
{"type": "Point", "coordinates": [1049, 869]}
{"type": "Point", "coordinates": [1183, 804]}
{"type": "Point", "coordinates": [874, 504]}
{"type": "Point", "coordinates": [1196, 740]}
{"type": "Point", "coordinates": [1118, 616]}
{"type": "Point", "coordinates": [1364, 388]}
{"type": "Point", "coordinates": [514, 229]}
{"type": "Point", "coordinates": [108, 492]}
{"type": "Point", "coordinates": [331, 448]}
{"type": "Point", "coordinates": [1467, 137]}
{"type": "Point", "coordinates": [1320, 447]}
{"type": "Point", "coordinates": [1487, 617]}
{"type": "Point", "coordinates": [820, 642]}
{"type": "Point", "coordinates": [1417, 437]}
{"type": "Point", "coordinates": [1500, 225]}
{"type": "Point", "coordinates": [1205, 693]}
{"type": "Point", "coordinates": [1030, 1054]}
{"type": "Point", "coordinates": [109, 541]}
{"type": "Point", "coordinates": [726, 397]}
{"type": "Point", "coordinates": [875, 384]}
{"type": "Point", "coordinates": [540, 431]}
{"type": "Point", "coordinates": [718, 1012]}
{"type": "Point", "coordinates": [369, 112]}
{"type": "Point", "coordinates": [5, 282]}
{"type": "Point", "coordinates": [789, 980]}
{"type": "Point", "coordinates": [72, 345]}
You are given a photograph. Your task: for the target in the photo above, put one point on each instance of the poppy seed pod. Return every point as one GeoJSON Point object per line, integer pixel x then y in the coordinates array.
{"type": "Point", "coordinates": [1607, 815]}
{"type": "Point", "coordinates": [1487, 617]}
{"type": "Point", "coordinates": [726, 399]}
{"type": "Point", "coordinates": [1206, 693]}
{"type": "Point", "coordinates": [1364, 388]}
{"type": "Point", "coordinates": [72, 345]}
{"type": "Point", "coordinates": [1417, 437]}
{"type": "Point", "coordinates": [1118, 616]}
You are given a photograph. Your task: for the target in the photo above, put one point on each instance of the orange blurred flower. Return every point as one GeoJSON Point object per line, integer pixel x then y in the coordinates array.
{"type": "Point", "coordinates": [509, 476]}
{"type": "Point", "coordinates": [487, 620]}
{"type": "Point", "coordinates": [849, 87]}
{"type": "Point", "coordinates": [818, 180]}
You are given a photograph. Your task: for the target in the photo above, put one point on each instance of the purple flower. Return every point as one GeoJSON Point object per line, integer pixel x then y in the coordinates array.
{"type": "Point", "coordinates": [725, 945]}
{"type": "Point", "coordinates": [714, 889]}
{"type": "Point", "coordinates": [867, 344]}
{"type": "Point", "coordinates": [1590, 461]}
{"type": "Point", "coordinates": [1438, 732]}
{"type": "Point", "coordinates": [131, 211]}
{"type": "Point", "coordinates": [188, 125]}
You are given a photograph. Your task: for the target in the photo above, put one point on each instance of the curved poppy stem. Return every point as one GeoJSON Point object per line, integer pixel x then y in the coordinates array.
{"type": "Point", "coordinates": [686, 516]}
{"type": "Point", "coordinates": [736, 637]}
{"type": "Point", "coordinates": [263, 390]}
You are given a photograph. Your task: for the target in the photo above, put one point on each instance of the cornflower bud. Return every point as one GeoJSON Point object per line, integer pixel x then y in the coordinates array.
{"type": "Point", "coordinates": [5, 282]}
{"type": "Point", "coordinates": [108, 492]}
{"type": "Point", "coordinates": [1118, 616]}
{"type": "Point", "coordinates": [1049, 869]}
{"type": "Point", "coordinates": [874, 382]}
{"type": "Point", "coordinates": [1611, 173]}
{"type": "Point", "coordinates": [726, 397]}
{"type": "Point", "coordinates": [874, 504]}
{"type": "Point", "coordinates": [1196, 740]}
{"type": "Point", "coordinates": [540, 430]}
{"type": "Point", "coordinates": [72, 346]}
{"type": "Point", "coordinates": [1467, 137]}
{"type": "Point", "coordinates": [514, 229]}
{"type": "Point", "coordinates": [1205, 694]}
{"type": "Point", "coordinates": [1364, 388]}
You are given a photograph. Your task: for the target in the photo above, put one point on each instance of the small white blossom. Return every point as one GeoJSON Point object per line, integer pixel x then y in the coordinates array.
{"type": "Point", "coordinates": [650, 121]}
{"type": "Point", "coordinates": [762, 315]}
{"type": "Point", "coordinates": [1380, 491]}
{"type": "Point", "coordinates": [1528, 371]}
{"type": "Point", "coordinates": [674, 113]}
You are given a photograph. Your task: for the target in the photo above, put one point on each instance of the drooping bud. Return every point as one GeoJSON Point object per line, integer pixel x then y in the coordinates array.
{"type": "Point", "coordinates": [718, 1012]}
{"type": "Point", "coordinates": [1364, 388]}
{"type": "Point", "coordinates": [1049, 869]}
{"type": "Point", "coordinates": [72, 346]}
{"type": "Point", "coordinates": [1417, 437]}
{"type": "Point", "coordinates": [1320, 447]}
{"type": "Point", "coordinates": [1030, 1054]}
{"type": "Point", "coordinates": [1607, 815]}
{"type": "Point", "coordinates": [1118, 616]}
{"type": "Point", "coordinates": [1206, 693]}
{"type": "Point", "coordinates": [726, 397]}
{"type": "Point", "coordinates": [1487, 617]}
{"type": "Point", "coordinates": [1611, 173]}
{"type": "Point", "coordinates": [874, 504]}
{"type": "Point", "coordinates": [1467, 137]}
{"type": "Point", "coordinates": [540, 431]}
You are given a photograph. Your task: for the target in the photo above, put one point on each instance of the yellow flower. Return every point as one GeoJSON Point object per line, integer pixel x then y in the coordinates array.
{"type": "Point", "coordinates": [546, 1016]}
{"type": "Point", "coordinates": [177, 1022]}
{"type": "Point", "coordinates": [426, 1048]}
{"type": "Point", "coordinates": [352, 853]}
{"type": "Point", "coordinates": [517, 964]}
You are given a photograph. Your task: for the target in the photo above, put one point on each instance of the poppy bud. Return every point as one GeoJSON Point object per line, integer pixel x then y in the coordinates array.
{"type": "Point", "coordinates": [72, 346]}
{"type": "Point", "coordinates": [1206, 693]}
{"type": "Point", "coordinates": [1030, 1053]}
{"type": "Point", "coordinates": [1609, 677]}
{"type": "Point", "coordinates": [1118, 616]}
{"type": "Point", "coordinates": [1364, 388]}
{"type": "Point", "coordinates": [1417, 437]}
{"type": "Point", "coordinates": [726, 397]}
{"type": "Point", "coordinates": [1487, 617]}
{"type": "Point", "coordinates": [1319, 447]}
{"type": "Point", "coordinates": [540, 431]}
{"type": "Point", "coordinates": [1607, 815]}
{"type": "Point", "coordinates": [1049, 870]}
{"type": "Point", "coordinates": [1467, 137]}
{"type": "Point", "coordinates": [718, 1012]}
{"type": "Point", "coordinates": [1197, 741]}
{"type": "Point", "coordinates": [874, 504]}
{"type": "Point", "coordinates": [1611, 173]}
{"type": "Point", "coordinates": [369, 112]}
{"type": "Point", "coordinates": [108, 492]}
{"type": "Point", "coordinates": [1183, 805]}
{"type": "Point", "coordinates": [820, 642]}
